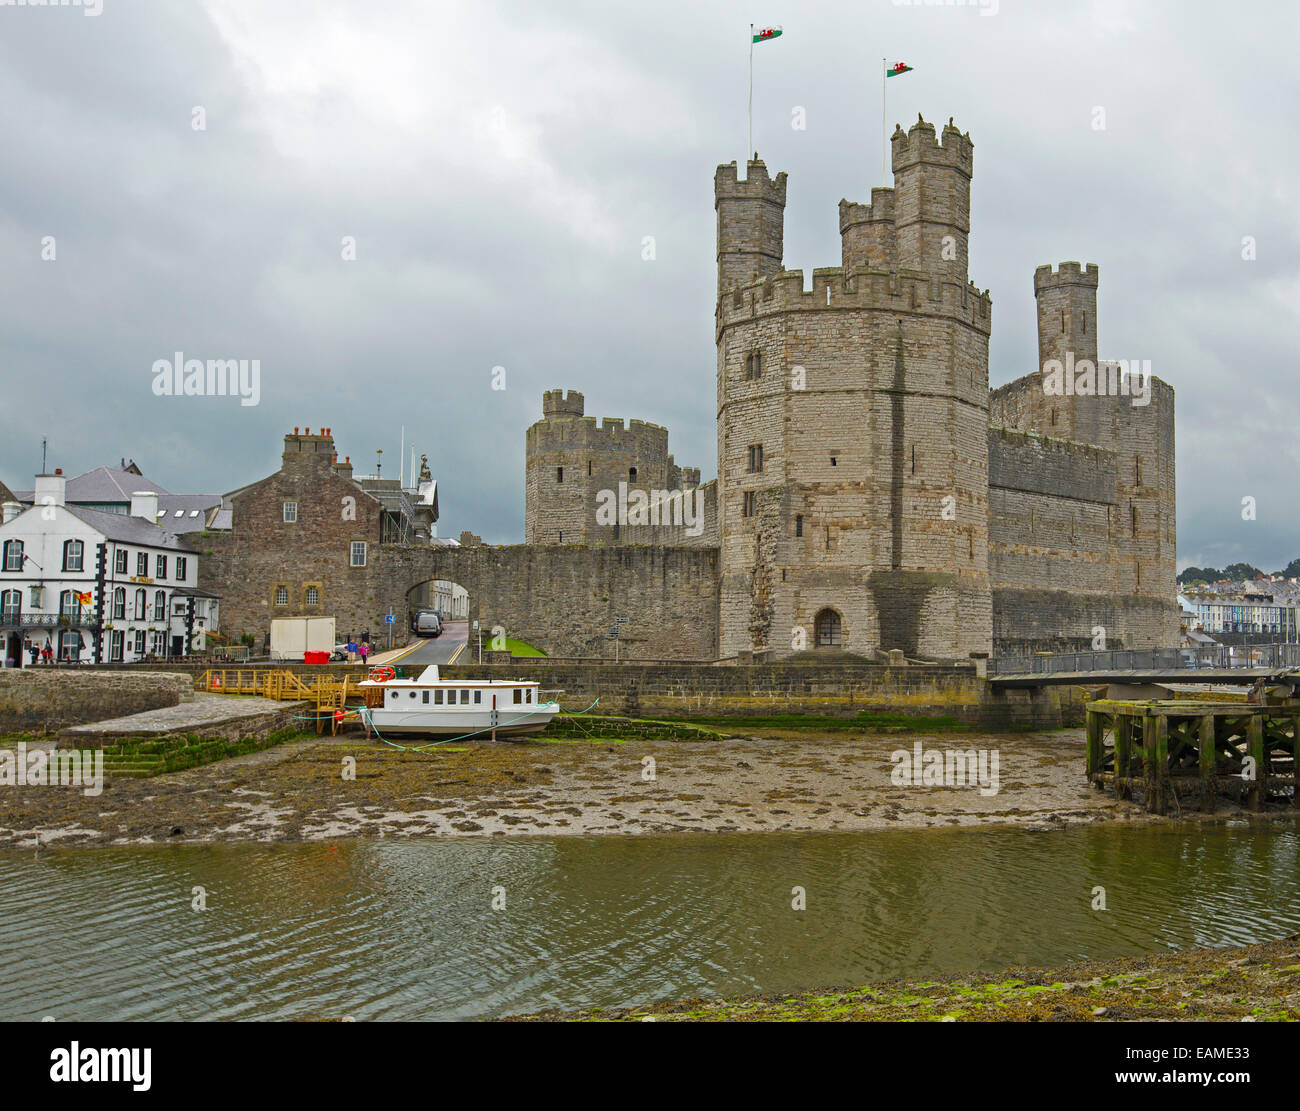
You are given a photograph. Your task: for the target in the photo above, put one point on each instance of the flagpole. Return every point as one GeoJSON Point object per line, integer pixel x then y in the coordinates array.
{"type": "Point", "coordinates": [750, 146]}
{"type": "Point", "coordinates": [884, 73]}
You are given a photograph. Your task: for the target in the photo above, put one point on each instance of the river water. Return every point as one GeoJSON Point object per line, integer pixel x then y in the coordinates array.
{"type": "Point", "coordinates": [407, 929]}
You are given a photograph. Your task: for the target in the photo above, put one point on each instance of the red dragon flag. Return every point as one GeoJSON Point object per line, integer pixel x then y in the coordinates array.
{"type": "Point", "coordinates": [897, 69]}
{"type": "Point", "coordinates": [767, 33]}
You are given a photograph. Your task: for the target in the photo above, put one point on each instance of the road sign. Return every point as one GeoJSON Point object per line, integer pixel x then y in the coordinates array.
{"type": "Point", "coordinates": [388, 619]}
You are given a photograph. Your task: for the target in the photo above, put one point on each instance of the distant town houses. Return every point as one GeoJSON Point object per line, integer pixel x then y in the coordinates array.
{"type": "Point", "coordinates": [97, 585]}
{"type": "Point", "coordinates": [1267, 608]}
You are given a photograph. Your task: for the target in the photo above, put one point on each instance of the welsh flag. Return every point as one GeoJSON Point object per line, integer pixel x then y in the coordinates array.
{"type": "Point", "coordinates": [84, 599]}
{"type": "Point", "coordinates": [898, 68]}
{"type": "Point", "coordinates": [767, 33]}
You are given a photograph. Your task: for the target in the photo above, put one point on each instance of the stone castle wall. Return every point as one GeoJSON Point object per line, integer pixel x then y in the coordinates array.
{"type": "Point", "coordinates": [570, 460]}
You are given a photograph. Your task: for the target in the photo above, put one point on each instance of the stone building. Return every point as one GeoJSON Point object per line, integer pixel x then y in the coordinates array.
{"type": "Point", "coordinates": [872, 492]}
{"type": "Point", "coordinates": [574, 469]}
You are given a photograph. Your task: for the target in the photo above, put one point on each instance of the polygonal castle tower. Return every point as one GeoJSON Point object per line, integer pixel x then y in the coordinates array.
{"type": "Point", "coordinates": [570, 460]}
{"type": "Point", "coordinates": [853, 418]}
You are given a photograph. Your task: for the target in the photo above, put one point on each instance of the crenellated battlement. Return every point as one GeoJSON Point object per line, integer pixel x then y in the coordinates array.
{"type": "Point", "coordinates": [757, 185]}
{"type": "Point", "coordinates": [557, 403]}
{"type": "Point", "coordinates": [920, 145]}
{"type": "Point", "coordinates": [834, 289]}
{"type": "Point", "coordinates": [880, 210]}
{"type": "Point", "coordinates": [1069, 273]}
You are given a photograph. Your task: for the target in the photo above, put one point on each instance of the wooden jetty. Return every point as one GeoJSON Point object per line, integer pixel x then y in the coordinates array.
{"type": "Point", "coordinates": [327, 696]}
{"type": "Point", "coordinates": [1174, 749]}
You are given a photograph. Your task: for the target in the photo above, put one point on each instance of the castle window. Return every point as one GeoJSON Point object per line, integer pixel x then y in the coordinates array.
{"type": "Point", "coordinates": [281, 595]}
{"type": "Point", "coordinates": [1083, 322]}
{"type": "Point", "coordinates": [755, 458]}
{"type": "Point", "coordinates": [588, 468]}
{"type": "Point", "coordinates": [828, 538]}
{"type": "Point", "coordinates": [357, 553]}
{"type": "Point", "coordinates": [1137, 470]}
{"type": "Point", "coordinates": [290, 509]}
{"type": "Point", "coordinates": [631, 474]}
{"type": "Point", "coordinates": [1062, 322]}
{"type": "Point", "coordinates": [1133, 518]}
{"type": "Point", "coordinates": [828, 629]}
{"type": "Point", "coordinates": [561, 536]}
{"type": "Point", "coordinates": [559, 474]}
{"type": "Point", "coordinates": [615, 530]}
{"type": "Point", "coordinates": [1053, 418]}
{"type": "Point", "coordinates": [313, 596]}
{"type": "Point", "coordinates": [914, 459]}
{"type": "Point", "coordinates": [754, 365]}
{"type": "Point", "coordinates": [750, 505]}
{"type": "Point", "coordinates": [798, 524]}
{"type": "Point", "coordinates": [835, 462]}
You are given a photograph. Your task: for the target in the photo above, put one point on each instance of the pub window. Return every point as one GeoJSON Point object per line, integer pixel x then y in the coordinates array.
{"type": "Point", "coordinates": [140, 604]}
{"type": "Point", "coordinates": [162, 567]}
{"type": "Point", "coordinates": [119, 561]}
{"type": "Point", "coordinates": [73, 551]}
{"type": "Point", "coordinates": [119, 604]}
{"type": "Point", "coordinates": [115, 642]}
{"type": "Point", "coordinates": [141, 565]}
{"type": "Point", "coordinates": [10, 602]}
{"type": "Point", "coordinates": [13, 555]}
{"type": "Point", "coordinates": [181, 568]}
{"type": "Point", "coordinates": [160, 606]}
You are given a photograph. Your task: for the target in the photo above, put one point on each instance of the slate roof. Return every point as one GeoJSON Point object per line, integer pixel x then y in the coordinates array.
{"type": "Point", "coordinates": [129, 530]}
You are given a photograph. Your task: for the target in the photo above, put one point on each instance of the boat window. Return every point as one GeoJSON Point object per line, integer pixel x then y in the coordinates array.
{"type": "Point", "coordinates": [437, 698]}
{"type": "Point", "coordinates": [478, 697]}
{"type": "Point", "coordinates": [412, 694]}
{"type": "Point", "coordinates": [464, 698]}
{"type": "Point", "coordinates": [393, 695]}
{"type": "Point", "coordinates": [519, 695]}
{"type": "Point", "coordinates": [426, 698]}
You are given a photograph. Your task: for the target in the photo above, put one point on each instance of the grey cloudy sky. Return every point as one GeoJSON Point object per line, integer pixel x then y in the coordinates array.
{"type": "Point", "coordinates": [499, 164]}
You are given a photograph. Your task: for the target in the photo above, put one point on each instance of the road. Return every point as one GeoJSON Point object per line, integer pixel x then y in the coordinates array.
{"type": "Point", "coordinates": [437, 650]}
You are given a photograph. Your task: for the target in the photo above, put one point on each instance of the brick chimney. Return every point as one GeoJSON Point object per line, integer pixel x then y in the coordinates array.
{"type": "Point", "coordinates": [305, 450]}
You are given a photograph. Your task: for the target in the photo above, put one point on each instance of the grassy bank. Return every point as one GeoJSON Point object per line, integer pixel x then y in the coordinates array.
{"type": "Point", "coordinates": [1252, 983]}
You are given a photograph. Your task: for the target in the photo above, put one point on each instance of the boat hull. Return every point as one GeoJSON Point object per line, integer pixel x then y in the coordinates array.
{"type": "Point", "coordinates": [410, 723]}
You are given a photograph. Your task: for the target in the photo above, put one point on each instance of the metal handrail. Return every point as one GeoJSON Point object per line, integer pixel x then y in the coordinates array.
{"type": "Point", "coordinates": [1219, 657]}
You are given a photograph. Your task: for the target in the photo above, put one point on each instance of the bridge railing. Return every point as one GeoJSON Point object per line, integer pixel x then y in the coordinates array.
{"type": "Point", "coordinates": [1219, 656]}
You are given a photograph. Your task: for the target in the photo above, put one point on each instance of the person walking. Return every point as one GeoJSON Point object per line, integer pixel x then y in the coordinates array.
{"type": "Point", "coordinates": [364, 649]}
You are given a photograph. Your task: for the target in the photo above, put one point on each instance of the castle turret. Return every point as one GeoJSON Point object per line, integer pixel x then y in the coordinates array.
{"type": "Point", "coordinates": [751, 224]}
{"type": "Point", "coordinates": [1067, 312]}
{"type": "Point", "coordinates": [558, 403]}
{"type": "Point", "coordinates": [932, 199]}
{"type": "Point", "coordinates": [1067, 334]}
{"type": "Point", "coordinates": [867, 233]}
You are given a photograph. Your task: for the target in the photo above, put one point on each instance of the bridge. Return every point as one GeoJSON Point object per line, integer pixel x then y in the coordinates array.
{"type": "Point", "coordinates": [1219, 665]}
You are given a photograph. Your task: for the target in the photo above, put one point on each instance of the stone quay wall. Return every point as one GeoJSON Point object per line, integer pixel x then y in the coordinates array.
{"type": "Point", "coordinates": [37, 700]}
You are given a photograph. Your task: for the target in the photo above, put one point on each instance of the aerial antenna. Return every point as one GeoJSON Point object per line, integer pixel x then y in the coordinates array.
{"type": "Point", "coordinates": [44, 441]}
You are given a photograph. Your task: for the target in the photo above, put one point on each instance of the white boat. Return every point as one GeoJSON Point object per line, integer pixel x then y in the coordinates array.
{"type": "Point", "coordinates": [433, 706]}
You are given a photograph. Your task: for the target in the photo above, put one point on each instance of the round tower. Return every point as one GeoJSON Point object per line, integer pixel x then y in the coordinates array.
{"type": "Point", "coordinates": [932, 199]}
{"type": "Point", "coordinates": [751, 223]}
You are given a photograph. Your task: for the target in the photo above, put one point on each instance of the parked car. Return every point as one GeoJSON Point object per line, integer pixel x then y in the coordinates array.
{"type": "Point", "coordinates": [427, 623]}
{"type": "Point", "coordinates": [340, 654]}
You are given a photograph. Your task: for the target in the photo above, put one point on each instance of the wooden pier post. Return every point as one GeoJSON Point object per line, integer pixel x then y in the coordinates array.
{"type": "Point", "coordinates": [1206, 768]}
{"type": "Point", "coordinates": [1258, 792]}
{"type": "Point", "coordinates": [1093, 740]}
{"type": "Point", "coordinates": [1158, 782]}
{"type": "Point", "coordinates": [1123, 753]}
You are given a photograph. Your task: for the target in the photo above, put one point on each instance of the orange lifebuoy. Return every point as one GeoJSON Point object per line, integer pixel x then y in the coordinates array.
{"type": "Point", "coordinates": [382, 674]}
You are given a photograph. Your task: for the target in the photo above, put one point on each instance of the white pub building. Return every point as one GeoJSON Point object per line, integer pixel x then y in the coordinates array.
{"type": "Point", "coordinates": [96, 587]}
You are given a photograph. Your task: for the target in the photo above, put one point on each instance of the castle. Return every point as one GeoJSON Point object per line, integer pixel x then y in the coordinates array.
{"type": "Point", "coordinates": [872, 492]}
